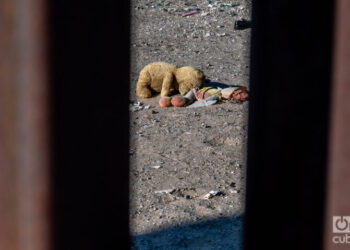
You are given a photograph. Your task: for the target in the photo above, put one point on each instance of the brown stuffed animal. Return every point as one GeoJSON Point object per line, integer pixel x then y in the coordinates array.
{"type": "Point", "coordinates": [164, 78]}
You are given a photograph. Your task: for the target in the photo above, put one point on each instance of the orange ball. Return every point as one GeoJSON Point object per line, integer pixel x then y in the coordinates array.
{"type": "Point", "coordinates": [179, 101]}
{"type": "Point", "coordinates": [165, 101]}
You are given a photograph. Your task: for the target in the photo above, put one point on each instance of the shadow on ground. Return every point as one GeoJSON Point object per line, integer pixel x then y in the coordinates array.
{"type": "Point", "coordinates": [223, 233]}
{"type": "Point", "coordinates": [218, 85]}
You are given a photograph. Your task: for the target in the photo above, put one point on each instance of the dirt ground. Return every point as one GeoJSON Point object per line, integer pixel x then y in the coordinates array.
{"type": "Point", "coordinates": [178, 155]}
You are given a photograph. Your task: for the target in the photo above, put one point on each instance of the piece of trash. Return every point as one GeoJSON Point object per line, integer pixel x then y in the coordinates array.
{"type": "Point", "coordinates": [154, 120]}
{"type": "Point", "coordinates": [189, 13]}
{"type": "Point", "coordinates": [242, 24]}
{"type": "Point", "coordinates": [156, 167]}
{"type": "Point", "coordinates": [165, 191]}
{"type": "Point", "coordinates": [190, 8]}
{"type": "Point", "coordinates": [220, 26]}
{"type": "Point", "coordinates": [207, 34]}
{"type": "Point", "coordinates": [136, 106]}
{"type": "Point", "coordinates": [157, 4]}
{"type": "Point", "coordinates": [212, 194]}
{"type": "Point", "coordinates": [228, 5]}
{"type": "Point", "coordinates": [204, 14]}
{"type": "Point", "coordinates": [147, 107]}
{"type": "Point", "coordinates": [188, 133]}
{"type": "Point", "coordinates": [221, 34]}
{"type": "Point", "coordinates": [205, 102]}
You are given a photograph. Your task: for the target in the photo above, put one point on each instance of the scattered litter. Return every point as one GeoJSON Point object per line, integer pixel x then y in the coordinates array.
{"type": "Point", "coordinates": [189, 13]}
{"type": "Point", "coordinates": [157, 4]}
{"type": "Point", "coordinates": [136, 106]}
{"type": "Point", "coordinates": [233, 184]}
{"type": "Point", "coordinates": [228, 5]}
{"type": "Point", "coordinates": [204, 14]}
{"type": "Point", "coordinates": [242, 24]}
{"type": "Point", "coordinates": [131, 152]}
{"type": "Point", "coordinates": [212, 194]}
{"type": "Point", "coordinates": [221, 34]}
{"type": "Point", "coordinates": [207, 34]}
{"type": "Point", "coordinates": [156, 167]}
{"type": "Point", "coordinates": [165, 191]}
{"type": "Point", "coordinates": [188, 133]}
{"type": "Point", "coordinates": [191, 8]}
{"type": "Point", "coordinates": [154, 112]}
{"type": "Point", "coordinates": [154, 120]}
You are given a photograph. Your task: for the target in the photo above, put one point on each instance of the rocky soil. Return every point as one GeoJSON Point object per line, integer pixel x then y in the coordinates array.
{"type": "Point", "coordinates": [187, 165]}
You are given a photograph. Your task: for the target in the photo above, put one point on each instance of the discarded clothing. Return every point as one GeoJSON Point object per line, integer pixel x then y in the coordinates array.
{"type": "Point", "coordinates": [204, 102]}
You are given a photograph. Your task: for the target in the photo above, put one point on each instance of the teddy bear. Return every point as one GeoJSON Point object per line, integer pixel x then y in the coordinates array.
{"type": "Point", "coordinates": [165, 78]}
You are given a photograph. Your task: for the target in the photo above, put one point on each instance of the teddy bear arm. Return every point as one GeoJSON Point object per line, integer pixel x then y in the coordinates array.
{"type": "Point", "coordinates": [167, 84]}
{"type": "Point", "coordinates": [183, 89]}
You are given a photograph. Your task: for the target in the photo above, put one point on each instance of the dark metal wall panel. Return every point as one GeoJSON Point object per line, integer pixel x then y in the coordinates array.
{"type": "Point", "coordinates": [90, 76]}
{"type": "Point", "coordinates": [288, 124]}
{"type": "Point", "coordinates": [338, 188]}
{"type": "Point", "coordinates": [24, 126]}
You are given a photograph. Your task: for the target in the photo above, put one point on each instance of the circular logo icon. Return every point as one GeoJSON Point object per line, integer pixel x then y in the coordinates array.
{"type": "Point", "coordinates": [341, 224]}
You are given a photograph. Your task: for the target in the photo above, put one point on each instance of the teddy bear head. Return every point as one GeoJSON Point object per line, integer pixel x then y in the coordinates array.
{"type": "Point", "coordinates": [188, 78]}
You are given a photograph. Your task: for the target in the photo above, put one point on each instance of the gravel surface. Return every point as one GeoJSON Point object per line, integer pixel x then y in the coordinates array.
{"type": "Point", "coordinates": [187, 166]}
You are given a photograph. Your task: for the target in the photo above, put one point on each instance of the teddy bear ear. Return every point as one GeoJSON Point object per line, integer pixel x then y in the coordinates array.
{"type": "Point", "coordinates": [200, 74]}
